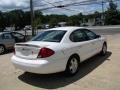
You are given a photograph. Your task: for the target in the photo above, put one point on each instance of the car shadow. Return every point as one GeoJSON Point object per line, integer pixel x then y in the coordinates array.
{"type": "Point", "coordinates": [54, 81]}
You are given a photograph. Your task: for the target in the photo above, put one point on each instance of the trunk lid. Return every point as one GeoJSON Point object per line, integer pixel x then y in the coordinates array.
{"type": "Point", "coordinates": [30, 49]}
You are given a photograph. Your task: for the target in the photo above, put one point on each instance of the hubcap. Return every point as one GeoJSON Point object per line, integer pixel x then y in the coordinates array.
{"type": "Point", "coordinates": [104, 49]}
{"type": "Point", "coordinates": [73, 65]}
{"type": "Point", "coordinates": [1, 49]}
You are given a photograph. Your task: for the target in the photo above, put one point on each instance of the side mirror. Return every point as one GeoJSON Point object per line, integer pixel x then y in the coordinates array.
{"type": "Point", "coordinates": [98, 36]}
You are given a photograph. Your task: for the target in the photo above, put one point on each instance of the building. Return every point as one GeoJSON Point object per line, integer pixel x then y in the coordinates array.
{"type": "Point", "coordinates": [61, 24]}
{"type": "Point", "coordinates": [9, 29]}
{"type": "Point", "coordinates": [91, 22]}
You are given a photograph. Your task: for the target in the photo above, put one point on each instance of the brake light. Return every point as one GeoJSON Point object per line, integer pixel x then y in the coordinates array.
{"type": "Point", "coordinates": [45, 52]}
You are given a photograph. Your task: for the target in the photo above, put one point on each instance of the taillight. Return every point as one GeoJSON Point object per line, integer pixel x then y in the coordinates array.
{"type": "Point", "coordinates": [45, 52]}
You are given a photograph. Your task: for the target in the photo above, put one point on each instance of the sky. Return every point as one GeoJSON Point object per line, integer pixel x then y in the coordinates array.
{"type": "Point", "coordinates": [7, 5]}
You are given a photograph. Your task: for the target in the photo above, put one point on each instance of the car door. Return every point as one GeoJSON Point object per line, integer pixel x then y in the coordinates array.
{"type": "Point", "coordinates": [8, 40]}
{"type": "Point", "coordinates": [95, 41]}
{"type": "Point", "coordinates": [80, 39]}
{"type": "Point", "coordinates": [18, 37]}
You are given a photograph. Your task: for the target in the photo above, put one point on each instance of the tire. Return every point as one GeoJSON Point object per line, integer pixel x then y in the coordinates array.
{"type": "Point", "coordinates": [2, 49]}
{"type": "Point", "coordinates": [72, 66]}
{"type": "Point", "coordinates": [104, 50]}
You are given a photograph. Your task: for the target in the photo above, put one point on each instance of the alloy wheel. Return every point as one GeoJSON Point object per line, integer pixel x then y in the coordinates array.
{"type": "Point", "coordinates": [2, 49]}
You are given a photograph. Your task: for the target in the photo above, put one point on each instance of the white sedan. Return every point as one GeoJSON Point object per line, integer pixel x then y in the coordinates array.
{"type": "Point", "coordinates": [58, 49]}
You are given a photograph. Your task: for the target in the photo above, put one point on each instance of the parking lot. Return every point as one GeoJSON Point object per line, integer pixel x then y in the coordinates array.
{"type": "Point", "coordinates": [97, 73]}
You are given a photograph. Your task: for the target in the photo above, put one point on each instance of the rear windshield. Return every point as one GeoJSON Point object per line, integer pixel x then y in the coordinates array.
{"type": "Point", "coordinates": [50, 36]}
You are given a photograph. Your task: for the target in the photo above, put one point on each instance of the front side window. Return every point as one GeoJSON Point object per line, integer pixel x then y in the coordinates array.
{"type": "Point", "coordinates": [50, 36]}
{"type": "Point", "coordinates": [78, 36]}
{"type": "Point", "coordinates": [7, 36]}
{"type": "Point", "coordinates": [91, 35]}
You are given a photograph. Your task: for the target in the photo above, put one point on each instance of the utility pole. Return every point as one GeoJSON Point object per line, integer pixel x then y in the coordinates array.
{"type": "Point", "coordinates": [103, 18]}
{"type": "Point", "coordinates": [32, 17]}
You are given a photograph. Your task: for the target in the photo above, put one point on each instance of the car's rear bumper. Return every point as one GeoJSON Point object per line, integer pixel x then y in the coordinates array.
{"type": "Point", "coordinates": [38, 66]}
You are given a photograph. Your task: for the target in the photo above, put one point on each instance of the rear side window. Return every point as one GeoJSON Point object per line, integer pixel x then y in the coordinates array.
{"type": "Point", "coordinates": [18, 35]}
{"type": "Point", "coordinates": [50, 36]}
{"type": "Point", "coordinates": [78, 36]}
{"type": "Point", "coordinates": [91, 35]}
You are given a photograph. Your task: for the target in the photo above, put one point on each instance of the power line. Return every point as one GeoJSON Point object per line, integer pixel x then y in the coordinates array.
{"type": "Point", "coordinates": [53, 3]}
{"type": "Point", "coordinates": [78, 3]}
{"type": "Point", "coordinates": [74, 4]}
{"type": "Point", "coordinates": [89, 2]}
{"type": "Point", "coordinates": [61, 1]}
{"type": "Point", "coordinates": [75, 10]}
{"type": "Point", "coordinates": [61, 6]}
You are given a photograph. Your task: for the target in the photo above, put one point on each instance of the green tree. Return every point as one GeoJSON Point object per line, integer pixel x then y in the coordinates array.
{"type": "Point", "coordinates": [112, 16]}
{"type": "Point", "coordinates": [27, 18]}
{"type": "Point", "coordinates": [16, 18]}
{"type": "Point", "coordinates": [53, 22]}
{"type": "Point", "coordinates": [37, 22]}
{"type": "Point", "coordinates": [2, 21]}
{"type": "Point", "coordinates": [73, 20]}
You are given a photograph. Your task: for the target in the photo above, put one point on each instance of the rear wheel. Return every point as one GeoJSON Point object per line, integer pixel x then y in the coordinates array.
{"type": "Point", "coordinates": [104, 50]}
{"type": "Point", "coordinates": [2, 49]}
{"type": "Point", "coordinates": [72, 66]}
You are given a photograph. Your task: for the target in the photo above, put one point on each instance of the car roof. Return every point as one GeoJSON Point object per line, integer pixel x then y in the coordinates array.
{"type": "Point", "coordinates": [0, 33]}
{"type": "Point", "coordinates": [4, 32]}
{"type": "Point", "coordinates": [68, 28]}
{"type": "Point", "coordinates": [9, 32]}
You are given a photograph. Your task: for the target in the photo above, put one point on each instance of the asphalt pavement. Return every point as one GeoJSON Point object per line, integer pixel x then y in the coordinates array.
{"type": "Point", "coordinates": [101, 30]}
{"type": "Point", "coordinates": [106, 31]}
{"type": "Point", "coordinates": [97, 73]}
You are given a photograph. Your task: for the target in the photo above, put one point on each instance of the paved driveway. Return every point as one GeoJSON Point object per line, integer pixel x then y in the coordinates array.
{"type": "Point", "coordinates": [97, 73]}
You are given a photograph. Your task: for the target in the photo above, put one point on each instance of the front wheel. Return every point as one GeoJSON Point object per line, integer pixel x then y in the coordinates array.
{"type": "Point", "coordinates": [72, 66]}
{"type": "Point", "coordinates": [104, 50]}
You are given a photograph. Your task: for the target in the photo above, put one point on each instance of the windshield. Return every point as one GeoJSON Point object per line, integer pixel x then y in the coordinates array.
{"type": "Point", "coordinates": [50, 36]}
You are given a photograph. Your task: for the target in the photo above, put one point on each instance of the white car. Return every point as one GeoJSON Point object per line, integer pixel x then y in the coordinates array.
{"type": "Point", "coordinates": [58, 49]}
